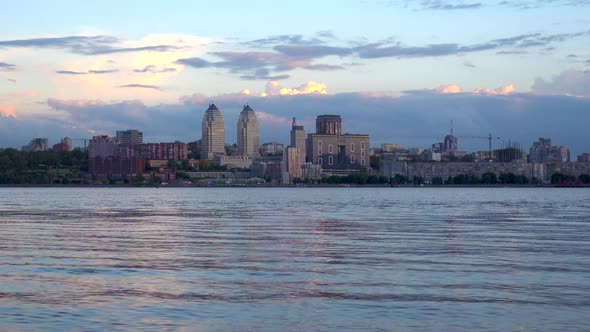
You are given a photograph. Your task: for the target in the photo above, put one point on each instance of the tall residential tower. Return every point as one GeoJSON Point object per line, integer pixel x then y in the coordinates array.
{"type": "Point", "coordinates": [298, 139]}
{"type": "Point", "coordinates": [213, 130]}
{"type": "Point", "coordinates": [248, 133]}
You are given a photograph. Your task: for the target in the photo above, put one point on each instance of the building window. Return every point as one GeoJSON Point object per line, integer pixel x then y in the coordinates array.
{"type": "Point", "coordinates": [362, 145]}
{"type": "Point", "coordinates": [363, 162]}
{"type": "Point", "coordinates": [363, 154]}
{"type": "Point", "coordinates": [352, 159]}
{"type": "Point", "coordinates": [330, 160]}
{"type": "Point", "coordinates": [330, 148]}
{"type": "Point", "coordinates": [320, 151]}
{"type": "Point", "coordinates": [319, 144]}
{"type": "Point", "coordinates": [351, 147]}
{"type": "Point", "coordinates": [320, 161]}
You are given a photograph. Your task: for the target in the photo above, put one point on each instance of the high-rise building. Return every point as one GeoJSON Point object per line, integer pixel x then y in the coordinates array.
{"type": "Point", "coordinates": [248, 133]}
{"type": "Point", "coordinates": [298, 139]}
{"type": "Point", "coordinates": [64, 146]}
{"type": "Point", "coordinates": [102, 146]}
{"type": "Point", "coordinates": [130, 136]}
{"type": "Point", "coordinates": [333, 150]}
{"type": "Point", "coordinates": [271, 149]}
{"type": "Point", "coordinates": [291, 164]}
{"type": "Point", "coordinates": [213, 131]}
{"type": "Point", "coordinates": [543, 152]}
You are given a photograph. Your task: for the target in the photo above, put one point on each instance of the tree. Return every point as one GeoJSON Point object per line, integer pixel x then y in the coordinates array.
{"type": "Point", "coordinates": [399, 179]}
{"type": "Point", "coordinates": [375, 162]}
{"type": "Point", "coordinates": [489, 178]}
{"type": "Point", "coordinates": [139, 179]}
{"type": "Point", "coordinates": [584, 178]}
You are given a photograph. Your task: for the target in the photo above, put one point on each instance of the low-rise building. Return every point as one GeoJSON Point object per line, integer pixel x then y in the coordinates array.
{"type": "Point", "coordinates": [243, 162]}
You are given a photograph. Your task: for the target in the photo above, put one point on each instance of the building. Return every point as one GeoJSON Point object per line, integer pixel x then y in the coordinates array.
{"type": "Point", "coordinates": [430, 155]}
{"type": "Point", "coordinates": [332, 150]}
{"type": "Point", "coordinates": [450, 144]}
{"type": "Point", "coordinates": [291, 164]}
{"type": "Point", "coordinates": [509, 154]}
{"type": "Point", "coordinates": [163, 151]}
{"type": "Point", "coordinates": [241, 162]}
{"type": "Point", "coordinates": [271, 149]}
{"type": "Point", "coordinates": [248, 133]}
{"type": "Point", "coordinates": [130, 136]}
{"type": "Point", "coordinates": [114, 167]}
{"type": "Point", "coordinates": [36, 144]}
{"type": "Point", "coordinates": [542, 151]}
{"type": "Point", "coordinates": [102, 146]}
{"type": "Point", "coordinates": [584, 157]}
{"type": "Point", "coordinates": [298, 139]}
{"type": "Point", "coordinates": [388, 147]}
{"type": "Point", "coordinates": [213, 133]}
{"type": "Point", "coordinates": [268, 170]}
{"type": "Point", "coordinates": [64, 146]}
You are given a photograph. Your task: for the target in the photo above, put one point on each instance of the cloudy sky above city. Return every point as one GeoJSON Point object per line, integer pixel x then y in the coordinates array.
{"type": "Point", "coordinates": [397, 70]}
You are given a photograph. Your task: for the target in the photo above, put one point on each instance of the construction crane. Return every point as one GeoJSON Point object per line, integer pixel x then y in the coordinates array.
{"type": "Point", "coordinates": [490, 138]}
{"type": "Point", "coordinates": [85, 140]}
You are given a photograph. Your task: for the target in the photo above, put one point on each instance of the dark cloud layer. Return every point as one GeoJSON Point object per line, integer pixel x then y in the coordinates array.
{"type": "Point", "coordinates": [154, 70]}
{"type": "Point", "coordinates": [86, 45]}
{"type": "Point", "coordinates": [6, 67]}
{"type": "Point", "coordinates": [288, 52]}
{"type": "Point", "coordinates": [94, 72]}
{"type": "Point", "coordinates": [141, 86]}
{"type": "Point", "coordinates": [413, 120]}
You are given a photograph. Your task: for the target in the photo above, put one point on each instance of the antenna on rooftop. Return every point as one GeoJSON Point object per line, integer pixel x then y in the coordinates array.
{"type": "Point", "coordinates": [451, 127]}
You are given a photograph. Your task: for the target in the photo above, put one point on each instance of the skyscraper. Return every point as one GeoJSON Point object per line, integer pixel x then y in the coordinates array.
{"type": "Point", "coordinates": [213, 132]}
{"type": "Point", "coordinates": [298, 139]}
{"type": "Point", "coordinates": [130, 136]}
{"type": "Point", "coordinates": [248, 133]}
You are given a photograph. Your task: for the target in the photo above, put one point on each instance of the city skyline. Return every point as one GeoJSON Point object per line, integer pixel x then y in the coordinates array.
{"type": "Point", "coordinates": [401, 76]}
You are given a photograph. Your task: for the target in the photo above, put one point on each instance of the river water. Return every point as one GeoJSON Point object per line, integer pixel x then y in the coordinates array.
{"type": "Point", "coordinates": [294, 259]}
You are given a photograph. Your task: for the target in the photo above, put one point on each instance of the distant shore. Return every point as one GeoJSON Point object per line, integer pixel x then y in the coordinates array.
{"type": "Point", "coordinates": [289, 186]}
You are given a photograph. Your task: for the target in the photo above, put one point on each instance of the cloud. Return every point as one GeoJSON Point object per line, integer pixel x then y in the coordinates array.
{"type": "Point", "coordinates": [503, 90]}
{"type": "Point", "coordinates": [154, 70]}
{"type": "Point", "coordinates": [273, 88]}
{"type": "Point", "coordinates": [141, 86]}
{"type": "Point", "coordinates": [6, 67]}
{"type": "Point", "coordinates": [71, 72]}
{"type": "Point", "coordinates": [469, 64]}
{"type": "Point", "coordinates": [571, 81]}
{"type": "Point", "coordinates": [12, 80]}
{"type": "Point", "coordinates": [457, 89]}
{"type": "Point", "coordinates": [94, 72]}
{"type": "Point", "coordinates": [7, 111]}
{"type": "Point", "coordinates": [450, 88]}
{"type": "Point", "coordinates": [86, 45]}
{"type": "Point", "coordinates": [466, 5]}
{"type": "Point", "coordinates": [106, 71]}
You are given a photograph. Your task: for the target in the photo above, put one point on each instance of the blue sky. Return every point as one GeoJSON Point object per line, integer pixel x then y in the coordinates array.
{"type": "Point", "coordinates": [64, 65]}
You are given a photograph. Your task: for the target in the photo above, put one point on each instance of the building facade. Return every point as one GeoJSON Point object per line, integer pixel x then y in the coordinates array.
{"type": "Point", "coordinates": [332, 150]}
{"type": "Point", "coordinates": [542, 151]}
{"type": "Point", "coordinates": [291, 164]}
{"type": "Point", "coordinates": [213, 133]}
{"type": "Point", "coordinates": [102, 146]}
{"type": "Point", "coordinates": [298, 140]}
{"type": "Point", "coordinates": [130, 136]}
{"type": "Point", "coordinates": [248, 133]}
{"type": "Point", "coordinates": [271, 149]}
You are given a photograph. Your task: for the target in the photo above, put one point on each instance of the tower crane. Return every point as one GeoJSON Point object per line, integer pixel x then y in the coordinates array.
{"type": "Point", "coordinates": [85, 140]}
{"type": "Point", "coordinates": [490, 138]}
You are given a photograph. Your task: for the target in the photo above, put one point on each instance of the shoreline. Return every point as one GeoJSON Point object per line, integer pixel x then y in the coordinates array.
{"type": "Point", "coordinates": [287, 186]}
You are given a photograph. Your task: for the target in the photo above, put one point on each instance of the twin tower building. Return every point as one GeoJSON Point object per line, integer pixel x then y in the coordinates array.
{"type": "Point", "coordinates": [213, 138]}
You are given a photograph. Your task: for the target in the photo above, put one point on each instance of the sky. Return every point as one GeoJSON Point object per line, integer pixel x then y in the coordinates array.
{"type": "Point", "coordinates": [399, 71]}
